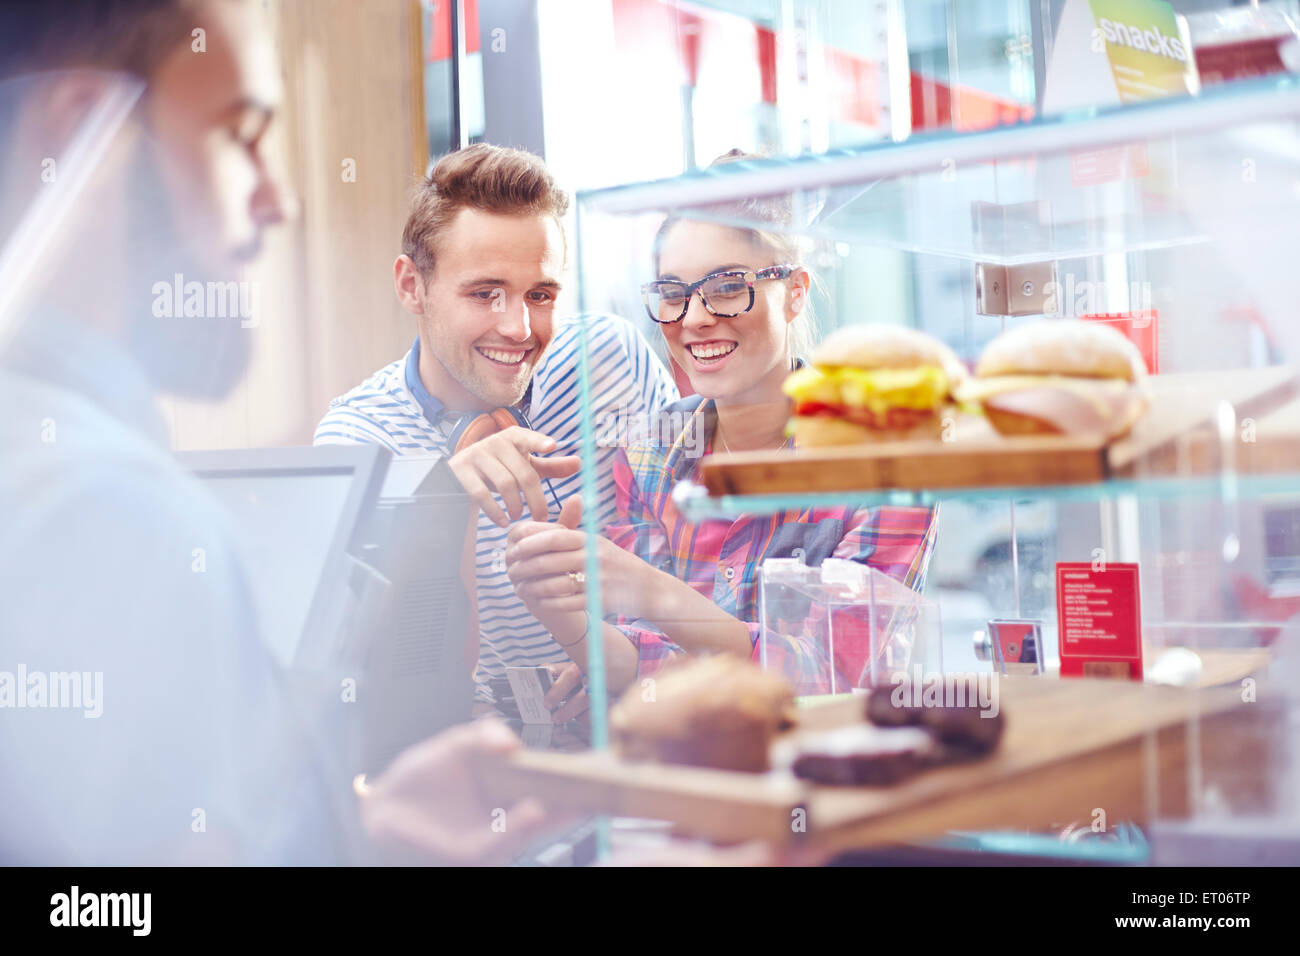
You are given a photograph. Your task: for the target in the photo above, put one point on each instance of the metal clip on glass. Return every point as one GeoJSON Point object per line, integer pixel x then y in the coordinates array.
{"type": "Point", "coordinates": [1015, 647]}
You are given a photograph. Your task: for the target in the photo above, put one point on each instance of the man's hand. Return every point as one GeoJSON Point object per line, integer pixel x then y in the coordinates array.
{"type": "Point", "coordinates": [508, 465]}
{"type": "Point", "coordinates": [427, 805]}
{"type": "Point", "coordinates": [561, 700]}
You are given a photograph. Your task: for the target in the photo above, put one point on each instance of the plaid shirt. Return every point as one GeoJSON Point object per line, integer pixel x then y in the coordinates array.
{"type": "Point", "coordinates": [720, 559]}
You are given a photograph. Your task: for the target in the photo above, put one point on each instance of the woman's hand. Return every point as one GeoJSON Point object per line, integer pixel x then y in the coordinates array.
{"type": "Point", "coordinates": [547, 564]}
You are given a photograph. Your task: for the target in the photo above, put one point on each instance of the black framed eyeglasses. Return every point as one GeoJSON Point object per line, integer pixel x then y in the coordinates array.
{"type": "Point", "coordinates": [725, 294]}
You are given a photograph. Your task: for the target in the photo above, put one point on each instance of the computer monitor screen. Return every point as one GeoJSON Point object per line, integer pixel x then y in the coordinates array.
{"type": "Point", "coordinates": [287, 524]}
{"type": "Point", "coordinates": [295, 511]}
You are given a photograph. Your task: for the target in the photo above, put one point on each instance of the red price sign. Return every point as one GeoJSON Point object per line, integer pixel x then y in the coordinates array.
{"type": "Point", "coordinates": [1140, 328]}
{"type": "Point", "coordinates": [1099, 615]}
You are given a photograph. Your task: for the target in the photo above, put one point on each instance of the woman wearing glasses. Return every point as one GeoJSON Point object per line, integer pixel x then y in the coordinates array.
{"type": "Point", "coordinates": [733, 307]}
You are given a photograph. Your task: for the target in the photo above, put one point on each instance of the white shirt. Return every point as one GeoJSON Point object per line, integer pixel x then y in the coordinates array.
{"type": "Point", "coordinates": [174, 739]}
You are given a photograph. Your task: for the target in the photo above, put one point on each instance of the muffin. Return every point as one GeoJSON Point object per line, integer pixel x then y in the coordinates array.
{"type": "Point", "coordinates": [720, 712]}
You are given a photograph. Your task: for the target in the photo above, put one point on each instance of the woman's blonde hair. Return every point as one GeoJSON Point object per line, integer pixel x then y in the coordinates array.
{"type": "Point", "coordinates": [775, 237]}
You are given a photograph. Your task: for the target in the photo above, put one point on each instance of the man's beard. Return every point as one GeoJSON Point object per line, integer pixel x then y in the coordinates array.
{"type": "Point", "coordinates": [194, 357]}
{"type": "Point", "coordinates": [491, 394]}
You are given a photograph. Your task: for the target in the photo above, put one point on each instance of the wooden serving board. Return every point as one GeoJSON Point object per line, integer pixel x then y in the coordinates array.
{"type": "Point", "coordinates": [1070, 746]}
{"type": "Point", "coordinates": [1268, 444]}
{"type": "Point", "coordinates": [1180, 435]}
{"type": "Point", "coordinates": [1175, 436]}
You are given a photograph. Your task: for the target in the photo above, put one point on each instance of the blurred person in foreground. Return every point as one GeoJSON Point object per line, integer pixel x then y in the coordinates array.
{"type": "Point", "coordinates": [141, 717]}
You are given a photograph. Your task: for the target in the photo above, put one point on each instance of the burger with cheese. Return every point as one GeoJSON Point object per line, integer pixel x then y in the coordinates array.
{"type": "Point", "coordinates": [870, 383]}
{"type": "Point", "coordinates": [1058, 377]}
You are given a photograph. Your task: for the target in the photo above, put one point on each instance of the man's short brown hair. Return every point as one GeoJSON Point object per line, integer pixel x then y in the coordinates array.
{"type": "Point", "coordinates": [491, 178]}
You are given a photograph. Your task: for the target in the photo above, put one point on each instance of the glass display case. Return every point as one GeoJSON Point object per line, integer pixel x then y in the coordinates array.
{"type": "Point", "coordinates": [855, 625]}
{"type": "Point", "coordinates": [1177, 221]}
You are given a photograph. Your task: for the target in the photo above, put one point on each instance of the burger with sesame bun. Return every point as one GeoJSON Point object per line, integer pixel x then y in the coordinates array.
{"type": "Point", "coordinates": [1060, 377]}
{"type": "Point", "coordinates": [872, 383]}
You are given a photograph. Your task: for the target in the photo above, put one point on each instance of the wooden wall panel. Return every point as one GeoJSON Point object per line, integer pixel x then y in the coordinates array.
{"type": "Point", "coordinates": [353, 90]}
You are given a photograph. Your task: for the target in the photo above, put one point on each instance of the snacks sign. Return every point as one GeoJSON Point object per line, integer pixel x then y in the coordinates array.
{"type": "Point", "coordinates": [1147, 51]}
{"type": "Point", "coordinates": [1108, 52]}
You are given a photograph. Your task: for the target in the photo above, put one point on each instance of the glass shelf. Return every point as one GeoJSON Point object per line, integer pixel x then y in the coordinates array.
{"type": "Point", "coordinates": [695, 503]}
{"type": "Point", "coordinates": [1130, 178]}
{"type": "Point", "coordinates": [1185, 209]}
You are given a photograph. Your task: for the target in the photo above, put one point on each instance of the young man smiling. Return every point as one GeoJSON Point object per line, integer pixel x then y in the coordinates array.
{"type": "Point", "coordinates": [482, 255]}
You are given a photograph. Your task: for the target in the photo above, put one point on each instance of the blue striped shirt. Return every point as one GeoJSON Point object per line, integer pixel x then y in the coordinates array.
{"type": "Point", "coordinates": [628, 385]}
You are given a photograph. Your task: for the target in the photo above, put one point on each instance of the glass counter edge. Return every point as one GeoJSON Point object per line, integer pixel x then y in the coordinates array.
{"type": "Point", "coordinates": [1235, 104]}
{"type": "Point", "coordinates": [697, 505]}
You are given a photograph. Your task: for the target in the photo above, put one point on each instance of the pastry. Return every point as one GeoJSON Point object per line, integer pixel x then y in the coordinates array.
{"type": "Point", "coordinates": [966, 731]}
{"type": "Point", "coordinates": [719, 711]}
{"type": "Point", "coordinates": [861, 754]}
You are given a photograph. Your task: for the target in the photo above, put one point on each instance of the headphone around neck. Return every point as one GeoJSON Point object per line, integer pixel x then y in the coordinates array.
{"type": "Point", "coordinates": [475, 426]}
